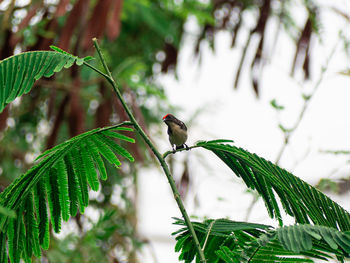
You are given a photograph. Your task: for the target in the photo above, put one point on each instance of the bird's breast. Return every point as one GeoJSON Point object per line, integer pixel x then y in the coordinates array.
{"type": "Point", "coordinates": [178, 135]}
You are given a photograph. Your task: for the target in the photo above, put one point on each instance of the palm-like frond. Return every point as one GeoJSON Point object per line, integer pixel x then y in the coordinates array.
{"type": "Point", "coordinates": [299, 199]}
{"type": "Point", "coordinates": [303, 237]}
{"type": "Point", "coordinates": [212, 234]}
{"type": "Point", "coordinates": [235, 242]}
{"type": "Point", "coordinates": [18, 73]}
{"type": "Point", "coordinates": [7, 212]}
{"type": "Point", "coordinates": [62, 178]}
{"type": "Point", "coordinates": [309, 240]}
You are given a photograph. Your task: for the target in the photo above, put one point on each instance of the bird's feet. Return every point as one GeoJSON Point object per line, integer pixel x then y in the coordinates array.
{"type": "Point", "coordinates": [180, 147]}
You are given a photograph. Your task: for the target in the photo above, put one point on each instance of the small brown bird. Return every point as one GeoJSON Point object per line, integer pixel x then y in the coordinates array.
{"type": "Point", "coordinates": [177, 132]}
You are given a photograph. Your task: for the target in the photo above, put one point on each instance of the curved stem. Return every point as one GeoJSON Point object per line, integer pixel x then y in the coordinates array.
{"type": "Point", "coordinates": [160, 158]}
{"type": "Point", "coordinates": [165, 155]}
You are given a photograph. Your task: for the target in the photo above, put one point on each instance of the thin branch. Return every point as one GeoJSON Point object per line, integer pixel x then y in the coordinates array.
{"type": "Point", "coordinates": [165, 155]}
{"type": "Point", "coordinates": [208, 234]}
{"type": "Point", "coordinates": [287, 135]}
{"type": "Point", "coordinates": [252, 256]}
{"type": "Point", "coordinates": [290, 132]}
{"type": "Point", "coordinates": [57, 123]}
{"type": "Point", "coordinates": [147, 140]}
{"type": "Point", "coordinates": [98, 71]}
{"type": "Point", "coordinates": [251, 206]}
{"type": "Point", "coordinates": [241, 61]}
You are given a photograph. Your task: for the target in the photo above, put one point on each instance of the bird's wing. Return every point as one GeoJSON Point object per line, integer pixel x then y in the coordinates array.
{"type": "Point", "coordinates": [181, 124]}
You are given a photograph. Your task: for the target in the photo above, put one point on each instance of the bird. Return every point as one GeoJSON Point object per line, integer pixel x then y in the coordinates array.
{"type": "Point", "coordinates": [177, 132]}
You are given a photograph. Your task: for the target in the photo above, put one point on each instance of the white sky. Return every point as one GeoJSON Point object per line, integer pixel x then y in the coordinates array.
{"type": "Point", "coordinates": [252, 124]}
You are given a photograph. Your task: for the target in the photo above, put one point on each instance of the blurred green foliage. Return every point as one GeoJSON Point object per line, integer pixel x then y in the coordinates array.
{"type": "Point", "coordinates": [141, 39]}
{"type": "Point", "coordinates": [77, 100]}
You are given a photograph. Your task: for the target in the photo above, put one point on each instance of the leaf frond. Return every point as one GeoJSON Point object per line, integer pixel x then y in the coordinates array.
{"type": "Point", "coordinates": [299, 199]}
{"type": "Point", "coordinates": [230, 241]}
{"type": "Point", "coordinates": [19, 72]}
{"type": "Point", "coordinates": [58, 183]}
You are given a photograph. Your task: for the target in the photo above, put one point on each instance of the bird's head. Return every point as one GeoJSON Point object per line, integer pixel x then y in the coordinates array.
{"type": "Point", "coordinates": [169, 118]}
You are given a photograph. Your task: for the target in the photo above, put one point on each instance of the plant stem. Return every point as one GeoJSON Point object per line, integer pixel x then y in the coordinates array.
{"type": "Point", "coordinates": [165, 155]}
{"type": "Point", "coordinates": [287, 135]}
{"type": "Point", "coordinates": [161, 160]}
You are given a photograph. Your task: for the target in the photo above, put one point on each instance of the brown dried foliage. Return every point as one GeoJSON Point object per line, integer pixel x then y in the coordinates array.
{"type": "Point", "coordinates": [74, 21]}
{"type": "Point", "coordinates": [170, 61]}
{"type": "Point", "coordinates": [302, 56]}
{"type": "Point", "coordinates": [97, 22]}
{"type": "Point", "coordinates": [184, 182]}
{"type": "Point", "coordinates": [113, 23]}
{"type": "Point", "coordinates": [51, 140]}
{"type": "Point", "coordinates": [230, 19]}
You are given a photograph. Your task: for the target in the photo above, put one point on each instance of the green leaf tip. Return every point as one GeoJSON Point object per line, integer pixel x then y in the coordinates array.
{"type": "Point", "coordinates": [79, 61]}
{"type": "Point", "coordinates": [7, 212]}
{"type": "Point", "coordinates": [276, 105]}
{"type": "Point", "coordinates": [200, 143]}
{"type": "Point", "coordinates": [88, 58]}
{"type": "Point", "coordinates": [57, 49]}
{"type": "Point", "coordinates": [123, 129]}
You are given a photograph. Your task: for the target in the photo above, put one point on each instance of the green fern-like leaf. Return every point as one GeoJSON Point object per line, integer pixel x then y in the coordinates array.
{"type": "Point", "coordinates": [299, 199]}
{"type": "Point", "coordinates": [32, 234]}
{"type": "Point", "coordinates": [18, 73]}
{"type": "Point", "coordinates": [80, 172]}
{"type": "Point", "coordinates": [116, 147]}
{"type": "Point", "coordinates": [73, 188]}
{"type": "Point", "coordinates": [15, 240]}
{"type": "Point", "coordinates": [7, 212]}
{"type": "Point", "coordinates": [299, 238]}
{"type": "Point", "coordinates": [94, 153]}
{"type": "Point", "coordinates": [3, 252]}
{"type": "Point", "coordinates": [314, 241]}
{"type": "Point", "coordinates": [212, 234]}
{"type": "Point", "coordinates": [90, 169]}
{"type": "Point", "coordinates": [105, 150]}
{"type": "Point", "coordinates": [61, 179]}
{"type": "Point", "coordinates": [228, 241]}
{"type": "Point", "coordinates": [53, 195]}
{"type": "Point", "coordinates": [41, 214]}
